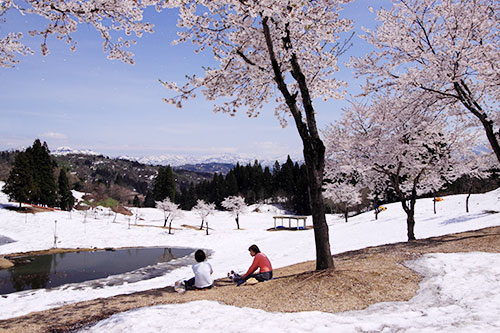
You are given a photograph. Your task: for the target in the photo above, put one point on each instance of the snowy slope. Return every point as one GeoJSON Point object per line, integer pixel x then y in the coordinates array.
{"type": "Point", "coordinates": [36, 232]}
{"type": "Point", "coordinates": [444, 303]}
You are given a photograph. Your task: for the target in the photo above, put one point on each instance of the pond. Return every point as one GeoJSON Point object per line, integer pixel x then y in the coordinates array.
{"type": "Point", "coordinates": [94, 269]}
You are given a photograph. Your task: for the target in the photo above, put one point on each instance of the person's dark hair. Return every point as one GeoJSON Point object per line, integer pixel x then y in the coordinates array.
{"type": "Point", "coordinates": [254, 248]}
{"type": "Point", "coordinates": [200, 256]}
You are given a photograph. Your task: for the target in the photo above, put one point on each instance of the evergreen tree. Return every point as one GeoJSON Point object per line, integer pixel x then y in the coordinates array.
{"type": "Point", "coordinates": [149, 200]}
{"type": "Point", "coordinates": [300, 199]}
{"type": "Point", "coordinates": [164, 185]}
{"type": "Point", "coordinates": [66, 199]}
{"type": "Point", "coordinates": [267, 180]}
{"type": "Point", "coordinates": [191, 197]}
{"type": "Point", "coordinates": [231, 184]}
{"type": "Point", "coordinates": [43, 174]}
{"type": "Point", "coordinates": [136, 202]}
{"type": "Point", "coordinates": [32, 177]}
{"type": "Point", "coordinates": [20, 185]}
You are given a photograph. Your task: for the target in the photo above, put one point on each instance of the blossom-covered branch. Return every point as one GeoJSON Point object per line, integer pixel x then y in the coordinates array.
{"type": "Point", "coordinates": [449, 49]}
{"type": "Point", "coordinates": [64, 17]}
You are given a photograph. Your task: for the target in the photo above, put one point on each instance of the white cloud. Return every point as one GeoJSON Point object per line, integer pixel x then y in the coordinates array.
{"type": "Point", "coordinates": [54, 135]}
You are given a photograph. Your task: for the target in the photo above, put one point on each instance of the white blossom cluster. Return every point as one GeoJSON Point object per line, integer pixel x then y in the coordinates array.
{"type": "Point", "coordinates": [63, 18]}
{"type": "Point", "coordinates": [235, 204]}
{"type": "Point", "coordinates": [449, 49]}
{"type": "Point", "coordinates": [204, 209]}
{"type": "Point", "coordinates": [247, 36]}
{"type": "Point", "coordinates": [403, 141]}
{"type": "Point", "coordinates": [9, 46]}
{"type": "Point", "coordinates": [170, 209]}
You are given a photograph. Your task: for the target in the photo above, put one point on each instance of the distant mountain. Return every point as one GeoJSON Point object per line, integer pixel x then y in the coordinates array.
{"type": "Point", "coordinates": [204, 163]}
{"type": "Point", "coordinates": [61, 151]}
{"type": "Point", "coordinates": [90, 170]}
{"type": "Point", "coordinates": [211, 168]}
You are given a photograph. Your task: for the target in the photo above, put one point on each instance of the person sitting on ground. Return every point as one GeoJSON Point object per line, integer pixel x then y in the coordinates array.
{"type": "Point", "coordinates": [202, 273]}
{"type": "Point", "coordinates": [261, 262]}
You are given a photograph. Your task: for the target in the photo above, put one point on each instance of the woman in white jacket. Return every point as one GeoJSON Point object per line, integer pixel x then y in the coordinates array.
{"type": "Point", "coordinates": [202, 273]}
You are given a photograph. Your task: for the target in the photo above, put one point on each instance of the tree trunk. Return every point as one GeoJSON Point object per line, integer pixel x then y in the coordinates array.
{"type": "Point", "coordinates": [346, 213]}
{"type": "Point", "coordinates": [434, 205]}
{"type": "Point", "coordinates": [170, 227]}
{"type": "Point", "coordinates": [315, 163]}
{"type": "Point", "coordinates": [237, 221]}
{"type": "Point", "coordinates": [165, 222]}
{"type": "Point", "coordinates": [201, 226]}
{"type": "Point", "coordinates": [467, 203]}
{"type": "Point", "coordinates": [410, 218]}
{"type": "Point", "coordinates": [314, 149]}
{"type": "Point", "coordinates": [468, 100]}
{"type": "Point", "coordinates": [207, 228]}
{"type": "Point", "coordinates": [410, 221]}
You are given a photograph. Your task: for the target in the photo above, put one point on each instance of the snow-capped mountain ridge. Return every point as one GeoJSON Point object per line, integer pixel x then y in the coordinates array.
{"type": "Point", "coordinates": [68, 150]}
{"type": "Point", "coordinates": [180, 160]}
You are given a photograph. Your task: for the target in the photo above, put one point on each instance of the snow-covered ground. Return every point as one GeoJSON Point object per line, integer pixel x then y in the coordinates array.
{"type": "Point", "coordinates": [444, 303]}
{"type": "Point", "coordinates": [229, 246]}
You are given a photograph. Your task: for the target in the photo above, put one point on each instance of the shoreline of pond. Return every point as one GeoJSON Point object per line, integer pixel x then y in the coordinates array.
{"type": "Point", "coordinates": [51, 268]}
{"type": "Point", "coordinates": [5, 259]}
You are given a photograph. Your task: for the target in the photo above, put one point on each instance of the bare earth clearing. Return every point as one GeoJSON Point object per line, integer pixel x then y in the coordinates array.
{"type": "Point", "coordinates": [361, 278]}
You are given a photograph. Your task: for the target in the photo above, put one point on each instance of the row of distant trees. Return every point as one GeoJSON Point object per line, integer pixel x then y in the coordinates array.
{"type": "Point", "coordinates": [286, 183]}
{"type": "Point", "coordinates": [33, 179]}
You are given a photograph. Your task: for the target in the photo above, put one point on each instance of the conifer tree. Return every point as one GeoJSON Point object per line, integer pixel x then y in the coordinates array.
{"type": "Point", "coordinates": [164, 184]}
{"type": "Point", "coordinates": [66, 199]}
{"type": "Point", "coordinates": [149, 201]}
{"type": "Point", "coordinates": [136, 202]}
{"type": "Point", "coordinates": [32, 178]}
{"type": "Point", "coordinates": [267, 180]}
{"type": "Point", "coordinates": [20, 185]}
{"type": "Point", "coordinates": [42, 167]}
{"type": "Point", "coordinates": [231, 184]}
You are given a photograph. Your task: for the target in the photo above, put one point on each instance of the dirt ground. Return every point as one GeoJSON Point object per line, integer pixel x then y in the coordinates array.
{"type": "Point", "coordinates": [360, 278]}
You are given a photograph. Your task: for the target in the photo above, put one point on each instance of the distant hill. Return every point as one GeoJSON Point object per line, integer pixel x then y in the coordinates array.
{"type": "Point", "coordinates": [119, 178]}
{"type": "Point", "coordinates": [132, 174]}
{"type": "Point", "coordinates": [212, 168]}
{"type": "Point", "coordinates": [123, 178]}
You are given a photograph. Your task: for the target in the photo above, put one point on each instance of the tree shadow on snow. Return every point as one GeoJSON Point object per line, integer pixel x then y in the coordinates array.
{"type": "Point", "coordinates": [468, 217]}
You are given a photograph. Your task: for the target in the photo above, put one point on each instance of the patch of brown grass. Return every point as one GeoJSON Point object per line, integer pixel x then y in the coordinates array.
{"type": "Point", "coordinates": [360, 278]}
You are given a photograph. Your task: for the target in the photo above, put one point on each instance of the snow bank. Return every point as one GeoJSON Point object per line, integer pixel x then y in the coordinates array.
{"type": "Point", "coordinates": [460, 293]}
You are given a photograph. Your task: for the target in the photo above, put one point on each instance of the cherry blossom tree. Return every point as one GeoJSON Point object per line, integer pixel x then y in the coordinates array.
{"type": "Point", "coordinates": [236, 205]}
{"type": "Point", "coordinates": [64, 17]}
{"type": "Point", "coordinates": [170, 210]}
{"type": "Point", "coordinates": [342, 186]}
{"type": "Point", "coordinates": [449, 49]}
{"type": "Point", "coordinates": [270, 51]}
{"type": "Point", "coordinates": [477, 168]}
{"type": "Point", "coordinates": [403, 139]}
{"type": "Point", "coordinates": [204, 210]}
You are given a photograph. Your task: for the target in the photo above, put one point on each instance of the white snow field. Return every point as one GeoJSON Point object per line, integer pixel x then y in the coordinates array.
{"type": "Point", "coordinates": [229, 246]}
{"type": "Point", "coordinates": [461, 293]}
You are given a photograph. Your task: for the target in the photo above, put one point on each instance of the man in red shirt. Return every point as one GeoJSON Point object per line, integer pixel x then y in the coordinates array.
{"type": "Point", "coordinates": [261, 262]}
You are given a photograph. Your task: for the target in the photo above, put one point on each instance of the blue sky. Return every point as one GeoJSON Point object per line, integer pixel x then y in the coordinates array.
{"type": "Point", "coordinates": [85, 101]}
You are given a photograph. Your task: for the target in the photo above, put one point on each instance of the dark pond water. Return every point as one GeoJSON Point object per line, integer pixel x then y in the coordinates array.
{"type": "Point", "coordinates": [96, 269]}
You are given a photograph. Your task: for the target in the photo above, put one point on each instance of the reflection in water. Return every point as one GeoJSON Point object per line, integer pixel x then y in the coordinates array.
{"type": "Point", "coordinates": [48, 271]}
{"type": "Point", "coordinates": [34, 275]}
